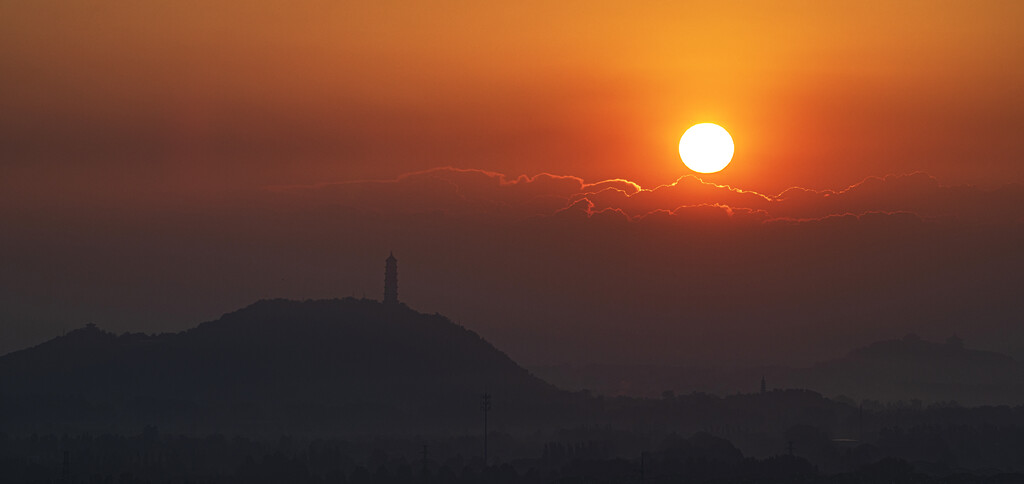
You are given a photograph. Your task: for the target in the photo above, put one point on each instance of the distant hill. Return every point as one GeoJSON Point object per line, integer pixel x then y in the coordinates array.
{"type": "Point", "coordinates": [906, 369]}
{"type": "Point", "coordinates": [348, 362]}
{"type": "Point", "coordinates": [912, 368]}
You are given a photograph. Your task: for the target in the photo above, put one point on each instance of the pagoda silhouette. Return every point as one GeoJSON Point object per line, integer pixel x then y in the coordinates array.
{"type": "Point", "coordinates": [391, 280]}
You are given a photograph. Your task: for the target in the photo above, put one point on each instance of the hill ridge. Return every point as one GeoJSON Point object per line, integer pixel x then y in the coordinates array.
{"type": "Point", "coordinates": [278, 353]}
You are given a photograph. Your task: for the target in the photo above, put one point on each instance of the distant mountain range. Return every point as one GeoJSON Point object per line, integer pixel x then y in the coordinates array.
{"type": "Point", "coordinates": [350, 366]}
{"type": "Point", "coordinates": [351, 362]}
{"type": "Point", "coordinates": [911, 368]}
{"type": "Point", "coordinates": [904, 369]}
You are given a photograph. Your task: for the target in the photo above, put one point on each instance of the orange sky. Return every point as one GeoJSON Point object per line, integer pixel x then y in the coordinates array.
{"type": "Point", "coordinates": [137, 138]}
{"type": "Point", "coordinates": [106, 99]}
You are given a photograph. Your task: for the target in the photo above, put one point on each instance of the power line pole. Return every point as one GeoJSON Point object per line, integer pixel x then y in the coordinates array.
{"type": "Point", "coordinates": [860, 422]}
{"type": "Point", "coordinates": [66, 468]}
{"type": "Point", "coordinates": [642, 456]}
{"type": "Point", "coordinates": [425, 472]}
{"type": "Point", "coordinates": [485, 405]}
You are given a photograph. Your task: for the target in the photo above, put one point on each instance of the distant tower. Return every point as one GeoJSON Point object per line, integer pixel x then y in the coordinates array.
{"type": "Point", "coordinates": [66, 468]}
{"type": "Point", "coordinates": [763, 387]}
{"type": "Point", "coordinates": [391, 280]}
{"type": "Point", "coordinates": [485, 405]}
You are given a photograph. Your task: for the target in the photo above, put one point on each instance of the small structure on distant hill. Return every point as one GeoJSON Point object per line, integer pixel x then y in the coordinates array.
{"type": "Point", "coordinates": [764, 386]}
{"type": "Point", "coordinates": [955, 342]}
{"type": "Point", "coordinates": [391, 280]}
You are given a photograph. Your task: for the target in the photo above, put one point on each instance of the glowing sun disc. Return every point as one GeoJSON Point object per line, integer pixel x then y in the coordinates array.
{"type": "Point", "coordinates": [706, 148]}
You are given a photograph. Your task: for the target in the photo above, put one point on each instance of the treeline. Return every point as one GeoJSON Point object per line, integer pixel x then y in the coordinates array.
{"type": "Point", "coordinates": [915, 455]}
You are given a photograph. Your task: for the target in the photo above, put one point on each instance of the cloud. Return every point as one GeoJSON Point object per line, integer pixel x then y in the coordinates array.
{"type": "Point", "coordinates": [454, 190]}
{"type": "Point", "coordinates": [918, 193]}
{"type": "Point", "coordinates": [877, 219]}
{"type": "Point", "coordinates": [578, 210]}
{"type": "Point", "coordinates": [686, 191]}
{"type": "Point", "coordinates": [708, 217]}
{"type": "Point", "coordinates": [687, 200]}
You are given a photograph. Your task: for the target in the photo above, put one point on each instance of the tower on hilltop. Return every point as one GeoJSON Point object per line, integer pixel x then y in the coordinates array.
{"type": "Point", "coordinates": [391, 280]}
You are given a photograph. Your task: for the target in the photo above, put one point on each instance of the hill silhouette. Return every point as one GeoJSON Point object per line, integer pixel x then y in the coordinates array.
{"type": "Point", "coordinates": [911, 368]}
{"type": "Point", "coordinates": [344, 361]}
{"type": "Point", "coordinates": [902, 369]}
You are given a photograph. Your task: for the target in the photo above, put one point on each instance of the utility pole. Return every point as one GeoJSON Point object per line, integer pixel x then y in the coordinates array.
{"type": "Point", "coordinates": [66, 470]}
{"type": "Point", "coordinates": [425, 474]}
{"type": "Point", "coordinates": [485, 405]}
{"type": "Point", "coordinates": [860, 422]}
{"type": "Point", "coordinates": [642, 455]}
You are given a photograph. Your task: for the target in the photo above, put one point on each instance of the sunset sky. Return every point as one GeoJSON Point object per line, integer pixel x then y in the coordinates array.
{"type": "Point", "coordinates": [162, 163]}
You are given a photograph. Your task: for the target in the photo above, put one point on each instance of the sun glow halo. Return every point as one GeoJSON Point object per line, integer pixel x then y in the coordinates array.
{"type": "Point", "coordinates": [706, 148]}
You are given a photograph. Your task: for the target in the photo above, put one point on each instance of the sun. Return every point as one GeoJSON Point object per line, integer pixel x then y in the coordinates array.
{"type": "Point", "coordinates": [706, 148]}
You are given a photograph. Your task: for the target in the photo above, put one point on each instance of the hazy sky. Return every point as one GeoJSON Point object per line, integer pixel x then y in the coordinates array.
{"type": "Point", "coordinates": [197, 97]}
{"type": "Point", "coordinates": [141, 144]}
